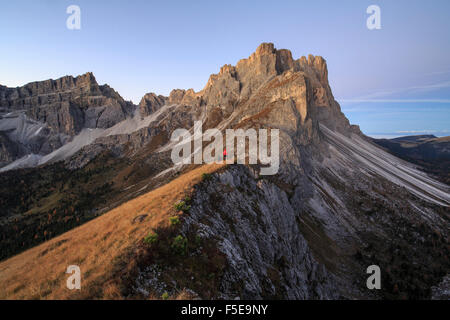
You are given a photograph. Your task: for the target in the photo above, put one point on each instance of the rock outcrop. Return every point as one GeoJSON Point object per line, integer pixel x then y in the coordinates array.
{"type": "Point", "coordinates": [150, 103]}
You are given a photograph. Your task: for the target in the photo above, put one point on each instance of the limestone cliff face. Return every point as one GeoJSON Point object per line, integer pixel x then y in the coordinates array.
{"type": "Point", "coordinates": [237, 84]}
{"type": "Point", "coordinates": [67, 104]}
{"type": "Point", "coordinates": [41, 117]}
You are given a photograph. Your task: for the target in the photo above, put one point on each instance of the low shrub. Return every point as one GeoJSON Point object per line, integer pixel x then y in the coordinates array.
{"type": "Point", "coordinates": [174, 220]}
{"type": "Point", "coordinates": [182, 206]}
{"type": "Point", "coordinates": [152, 237]}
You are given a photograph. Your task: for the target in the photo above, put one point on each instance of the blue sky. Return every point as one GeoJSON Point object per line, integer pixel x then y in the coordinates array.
{"type": "Point", "coordinates": [395, 80]}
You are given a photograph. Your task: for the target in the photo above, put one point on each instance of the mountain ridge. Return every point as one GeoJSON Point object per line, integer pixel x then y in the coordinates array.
{"type": "Point", "coordinates": [68, 118]}
{"type": "Point", "coordinates": [338, 204]}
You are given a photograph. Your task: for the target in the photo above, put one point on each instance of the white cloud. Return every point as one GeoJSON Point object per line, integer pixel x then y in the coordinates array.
{"type": "Point", "coordinates": [394, 100]}
{"type": "Point", "coordinates": [374, 97]}
{"type": "Point", "coordinates": [417, 131]}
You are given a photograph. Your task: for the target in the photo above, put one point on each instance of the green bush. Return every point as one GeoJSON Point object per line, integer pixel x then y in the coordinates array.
{"type": "Point", "coordinates": [174, 220]}
{"type": "Point", "coordinates": [182, 206]}
{"type": "Point", "coordinates": [165, 296]}
{"type": "Point", "coordinates": [152, 237]}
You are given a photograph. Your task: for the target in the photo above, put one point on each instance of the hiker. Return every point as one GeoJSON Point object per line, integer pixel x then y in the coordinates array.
{"type": "Point", "coordinates": [224, 154]}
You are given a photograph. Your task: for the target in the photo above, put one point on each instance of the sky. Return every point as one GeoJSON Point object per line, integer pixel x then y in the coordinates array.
{"type": "Point", "coordinates": [390, 81]}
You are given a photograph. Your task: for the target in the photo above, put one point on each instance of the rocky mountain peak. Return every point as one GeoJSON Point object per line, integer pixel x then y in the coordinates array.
{"type": "Point", "coordinates": [227, 68]}
{"type": "Point", "coordinates": [270, 72]}
{"type": "Point", "coordinates": [150, 103]}
{"type": "Point", "coordinates": [44, 115]}
{"type": "Point", "coordinates": [85, 83]}
{"type": "Point", "coordinates": [265, 48]}
{"type": "Point", "coordinates": [268, 76]}
{"type": "Point", "coordinates": [315, 64]}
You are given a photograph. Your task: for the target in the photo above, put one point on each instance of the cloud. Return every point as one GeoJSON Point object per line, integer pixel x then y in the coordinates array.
{"type": "Point", "coordinates": [437, 73]}
{"type": "Point", "coordinates": [394, 100]}
{"type": "Point", "coordinates": [377, 96]}
{"type": "Point", "coordinates": [417, 131]}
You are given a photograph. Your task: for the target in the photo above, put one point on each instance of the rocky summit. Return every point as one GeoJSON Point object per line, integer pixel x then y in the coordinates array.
{"type": "Point", "coordinates": [42, 116]}
{"type": "Point", "coordinates": [339, 203]}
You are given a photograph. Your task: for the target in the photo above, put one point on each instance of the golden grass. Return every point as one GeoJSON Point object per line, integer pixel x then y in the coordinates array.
{"type": "Point", "coordinates": [39, 273]}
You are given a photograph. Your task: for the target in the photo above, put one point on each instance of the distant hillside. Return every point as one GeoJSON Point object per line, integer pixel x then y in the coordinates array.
{"type": "Point", "coordinates": [428, 151]}
{"type": "Point", "coordinates": [418, 138]}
